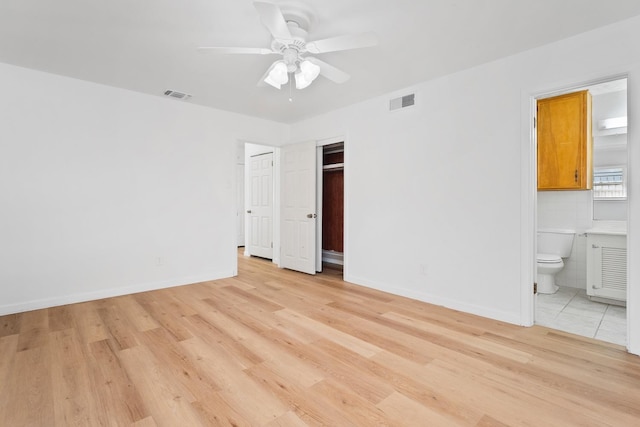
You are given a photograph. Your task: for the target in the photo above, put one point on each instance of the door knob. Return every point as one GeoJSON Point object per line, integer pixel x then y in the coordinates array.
{"type": "Point", "coordinates": [311, 215]}
{"type": "Point", "coordinates": [249, 211]}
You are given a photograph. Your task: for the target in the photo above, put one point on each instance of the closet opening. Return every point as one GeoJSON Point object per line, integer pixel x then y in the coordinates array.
{"type": "Point", "coordinates": [333, 207]}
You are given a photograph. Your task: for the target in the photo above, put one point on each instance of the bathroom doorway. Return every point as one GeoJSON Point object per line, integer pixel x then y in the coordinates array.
{"type": "Point", "coordinates": [578, 306]}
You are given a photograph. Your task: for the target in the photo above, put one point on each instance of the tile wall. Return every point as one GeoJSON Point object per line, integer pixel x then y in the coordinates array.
{"type": "Point", "coordinates": [568, 210]}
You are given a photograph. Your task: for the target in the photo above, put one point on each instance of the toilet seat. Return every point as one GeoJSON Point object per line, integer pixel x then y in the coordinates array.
{"type": "Point", "coordinates": [548, 259]}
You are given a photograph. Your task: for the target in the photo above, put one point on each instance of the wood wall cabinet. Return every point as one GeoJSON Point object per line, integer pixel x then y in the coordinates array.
{"type": "Point", "coordinates": [565, 143]}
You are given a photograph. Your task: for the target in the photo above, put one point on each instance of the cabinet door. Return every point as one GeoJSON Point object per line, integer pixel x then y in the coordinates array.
{"type": "Point", "coordinates": [564, 142]}
{"type": "Point", "coordinates": [607, 266]}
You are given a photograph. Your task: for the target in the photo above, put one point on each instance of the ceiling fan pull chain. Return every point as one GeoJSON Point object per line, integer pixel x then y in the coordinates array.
{"type": "Point", "coordinates": [290, 90]}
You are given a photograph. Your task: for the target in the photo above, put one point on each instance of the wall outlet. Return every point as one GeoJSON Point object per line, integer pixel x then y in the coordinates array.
{"type": "Point", "coordinates": [160, 261]}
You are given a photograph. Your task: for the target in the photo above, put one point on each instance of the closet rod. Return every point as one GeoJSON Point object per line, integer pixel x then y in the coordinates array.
{"type": "Point", "coordinates": [334, 166]}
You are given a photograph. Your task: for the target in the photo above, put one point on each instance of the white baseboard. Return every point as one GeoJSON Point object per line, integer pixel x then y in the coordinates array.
{"type": "Point", "coordinates": [508, 317]}
{"type": "Point", "coordinates": [333, 257]}
{"type": "Point", "coordinates": [108, 293]}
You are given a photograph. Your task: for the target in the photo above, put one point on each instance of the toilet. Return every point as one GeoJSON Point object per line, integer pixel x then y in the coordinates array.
{"type": "Point", "coordinates": [553, 246]}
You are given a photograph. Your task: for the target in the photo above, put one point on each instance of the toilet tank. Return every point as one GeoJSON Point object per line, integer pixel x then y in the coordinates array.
{"type": "Point", "coordinates": [555, 241]}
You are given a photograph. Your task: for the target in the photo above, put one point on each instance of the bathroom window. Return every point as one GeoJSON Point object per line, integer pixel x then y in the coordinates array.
{"type": "Point", "coordinates": [610, 183]}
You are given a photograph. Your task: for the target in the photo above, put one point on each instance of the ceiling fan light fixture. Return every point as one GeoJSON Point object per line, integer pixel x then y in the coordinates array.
{"type": "Point", "coordinates": [307, 73]}
{"type": "Point", "coordinates": [278, 75]}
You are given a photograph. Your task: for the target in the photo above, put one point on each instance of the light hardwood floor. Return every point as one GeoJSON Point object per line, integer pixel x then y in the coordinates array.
{"type": "Point", "coordinates": [276, 348]}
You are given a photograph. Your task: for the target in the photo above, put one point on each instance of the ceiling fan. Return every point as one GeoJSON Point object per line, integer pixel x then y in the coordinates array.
{"type": "Point", "coordinates": [288, 27]}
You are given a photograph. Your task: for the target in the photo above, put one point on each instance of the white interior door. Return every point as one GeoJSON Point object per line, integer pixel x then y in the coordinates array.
{"type": "Point", "coordinates": [240, 205]}
{"type": "Point", "coordinates": [260, 209]}
{"type": "Point", "coordinates": [298, 207]}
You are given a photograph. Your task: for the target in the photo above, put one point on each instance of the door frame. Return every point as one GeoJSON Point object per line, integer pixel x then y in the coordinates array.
{"type": "Point", "coordinates": [528, 230]}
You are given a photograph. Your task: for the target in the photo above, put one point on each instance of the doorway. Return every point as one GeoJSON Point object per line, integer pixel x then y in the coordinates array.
{"type": "Point", "coordinates": [334, 206]}
{"type": "Point", "coordinates": [260, 206]}
{"type": "Point", "coordinates": [604, 206]}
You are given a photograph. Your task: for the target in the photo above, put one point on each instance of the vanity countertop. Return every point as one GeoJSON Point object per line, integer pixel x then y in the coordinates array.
{"type": "Point", "coordinates": [608, 227]}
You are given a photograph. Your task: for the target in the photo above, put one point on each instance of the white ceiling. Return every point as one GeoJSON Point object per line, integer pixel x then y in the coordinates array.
{"type": "Point", "coordinates": [150, 45]}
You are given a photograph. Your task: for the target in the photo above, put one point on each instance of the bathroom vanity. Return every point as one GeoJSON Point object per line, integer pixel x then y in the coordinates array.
{"type": "Point", "coordinates": [607, 261]}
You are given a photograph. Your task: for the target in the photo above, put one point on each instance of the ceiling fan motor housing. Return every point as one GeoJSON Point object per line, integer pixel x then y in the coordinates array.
{"type": "Point", "coordinates": [290, 57]}
{"type": "Point", "coordinates": [298, 41]}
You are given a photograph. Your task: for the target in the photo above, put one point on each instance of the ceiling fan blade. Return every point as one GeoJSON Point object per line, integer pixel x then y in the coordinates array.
{"type": "Point", "coordinates": [232, 50]}
{"type": "Point", "coordinates": [329, 71]}
{"type": "Point", "coordinates": [272, 18]}
{"type": "Point", "coordinates": [333, 44]}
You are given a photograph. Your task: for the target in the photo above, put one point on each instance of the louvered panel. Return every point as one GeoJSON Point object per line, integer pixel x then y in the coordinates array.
{"type": "Point", "coordinates": [614, 268]}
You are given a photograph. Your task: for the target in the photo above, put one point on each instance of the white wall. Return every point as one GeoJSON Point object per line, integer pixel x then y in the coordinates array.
{"type": "Point", "coordinates": [106, 191]}
{"type": "Point", "coordinates": [439, 193]}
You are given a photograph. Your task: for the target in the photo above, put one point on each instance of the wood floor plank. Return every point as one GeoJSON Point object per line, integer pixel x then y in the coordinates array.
{"type": "Point", "coordinates": [349, 341]}
{"type": "Point", "coordinates": [10, 324]}
{"type": "Point", "coordinates": [488, 421]}
{"type": "Point", "coordinates": [136, 314]}
{"type": "Point", "coordinates": [27, 394]}
{"type": "Point", "coordinates": [121, 331]}
{"type": "Point", "coordinates": [8, 350]}
{"type": "Point", "coordinates": [118, 398]}
{"type": "Point", "coordinates": [234, 323]}
{"type": "Point", "coordinates": [34, 328]}
{"type": "Point", "coordinates": [307, 405]}
{"type": "Point", "coordinates": [236, 387]}
{"type": "Point", "coordinates": [60, 318]}
{"type": "Point", "coordinates": [505, 403]}
{"type": "Point", "coordinates": [147, 422]}
{"type": "Point", "coordinates": [472, 341]}
{"type": "Point", "coordinates": [358, 410]}
{"type": "Point", "coordinates": [273, 347]}
{"type": "Point", "coordinates": [332, 364]}
{"type": "Point", "coordinates": [177, 363]}
{"type": "Point", "coordinates": [165, 399]}
{"type": "Point", "coordinates": [71, 380]}
{"type": "Point", "coordinates": [213, 336]}
{"type": "Point", "coordinates": [371, 331]}
{"type": "Point", "coordinates": [161, 312]}
{"type": "Point", "coordinates": [88, 322]}
{"type": "Point", "coordinates": [410, 379]}
{"type": "Point", "coordinates": [289, 419]}
{"type": "Point", "coordinates": [252, 298]}
{"type": "Point", "coordinates": [215, 411]}
{"type": "Point", "coordinates": [235, 311]}
{"type": "Point", "coordinates": [401, 410]}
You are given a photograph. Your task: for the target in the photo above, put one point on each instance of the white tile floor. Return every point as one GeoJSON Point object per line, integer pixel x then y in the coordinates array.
{"type": "Point", "coordinates": [570, 310]}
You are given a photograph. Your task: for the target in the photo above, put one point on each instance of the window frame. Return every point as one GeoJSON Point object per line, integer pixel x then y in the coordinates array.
{"type": "Point", "coordinates": [624, 182]}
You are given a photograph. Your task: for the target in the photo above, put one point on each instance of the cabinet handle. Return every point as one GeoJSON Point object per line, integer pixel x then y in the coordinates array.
{"type": "Point", "coordinates": [575, 176]}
